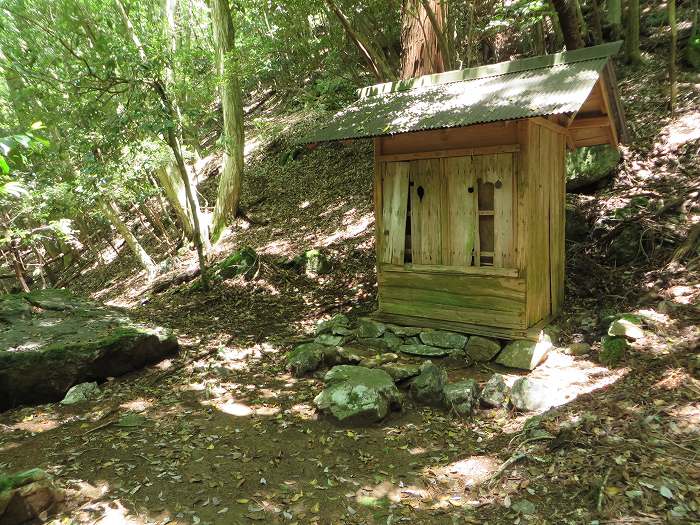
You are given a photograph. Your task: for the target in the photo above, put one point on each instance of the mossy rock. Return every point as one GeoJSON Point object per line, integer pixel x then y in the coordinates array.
{"type": "Point", "coordinates": [72, 341]}
{"type": "Point", "coordinates": [613, 350]}
{"type": "Point", "coordinates": [589, 165]}
{"type": "Point", "coordinates": [241, 262]}
{"type": "Point", "coordinates": [314, 262]}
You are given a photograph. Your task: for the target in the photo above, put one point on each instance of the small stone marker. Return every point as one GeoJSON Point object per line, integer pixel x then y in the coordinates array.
{"type": "Point", "coordinates": [524, 354]}
{"type": "Point", "coordinates": [424, 350]}
{"type": "Point", "coordinates": [462, 396]}
{"type": "Point", "coordinates": [482, 349]}
{"type": "Point", "coordinates": [495, 392]}
{"type": "Point", "coordinates": [530, 394]}
{"type": "Point", "coordinates": [577, 349]}
{"type": "Point", "coordinates": [443, 339]}
{"type": "Point", "coordinates": [429, 385]}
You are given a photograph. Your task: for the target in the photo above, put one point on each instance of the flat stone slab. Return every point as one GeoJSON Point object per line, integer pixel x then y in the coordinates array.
{"type": "Point", "coordinates": [443, 339]}
{"type": "Point", "coordinates": [424, 350]}
{"type": "Point", "coordinates": [64, 340]}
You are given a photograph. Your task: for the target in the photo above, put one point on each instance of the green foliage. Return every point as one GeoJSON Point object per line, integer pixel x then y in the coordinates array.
{"type": "Point", "coordinates": [613, 350]}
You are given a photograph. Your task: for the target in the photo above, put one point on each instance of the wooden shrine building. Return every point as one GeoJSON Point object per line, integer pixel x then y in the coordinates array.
{"type": "Point", "coordinates": [469, 186]}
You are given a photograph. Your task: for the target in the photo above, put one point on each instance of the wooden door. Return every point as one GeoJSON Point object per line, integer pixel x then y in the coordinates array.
{"type": "Point", "coordinates": [393, 221]}
{"type": "Point", "coordinates": [426, 194]}
{"type": "Point", "coordinates": [460, 220]}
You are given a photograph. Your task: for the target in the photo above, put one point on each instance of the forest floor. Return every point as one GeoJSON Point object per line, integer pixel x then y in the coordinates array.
{"type": "Point", "coordinates": [227, 436]}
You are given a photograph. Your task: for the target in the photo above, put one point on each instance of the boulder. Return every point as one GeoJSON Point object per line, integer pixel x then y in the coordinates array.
{"type": "Point", "coordinates": [428, 386]}
{"type": "Point", "coordinates": [338, 324]}
{"type": "Point", "coordinates": [462, 396]}
{"type": "Point", "coordinates": [355, 395]}
{"type": "Point", "coordinates": [369, 328]}
{"type": "Point", "coordinates": [305, 358]}
{"type": "Point", "coordinates": [482, 349]}
{"type": "Point", "coordinates": [241, 262]}
{"type": "Point", "coordinates": [81, 393]}
{"type": "Point", "coordinates": [612, 351]}
{"type": "Point", "coordinates": [404, 331]}
{"type": "Point", "coordinates": [590, 165]}
{"type": "Point", "coordinates": [67, 340]}
{"type": "Point", "coordinates": [524, 354]}
{"type": "Point", "coordinates": [424, 350]}
{"type": "Point", "coordinates": [443, 339]}
{"type": "Point", "coordinates": [530, 394]}
{"type": "Point", "coordinates": [495, 392]}
{"type": "Point", "coordinates": [401, 372]}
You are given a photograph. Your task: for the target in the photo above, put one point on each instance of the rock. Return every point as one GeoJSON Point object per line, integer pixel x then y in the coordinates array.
{"type": "Point", "coordinates": [369, 328]}
{"type": "Point", "coordinates": [613, 350]}
{"type": "Point", "coordinates": [413, 340]}
{"type": "Point", "coordinates": [424, 350]}
{"type": "Point", "coordinates": [392, 341]}
{"type": "Point", "coordinates": [495, 392]}
{"type": "Point", "coordinates": [589, 165]}
{"type": "Point", "coordinates": [428, 386]}
{"type": "Point", "coordinates": [329, 339]}
{"type": "Point", "coordinates": [576, 226]}
{"type": "Point", "coordinates": [692, 48]}
{"type": "Point", "coordinates": [577, 349]}
{"type": "Point", "coordinates": [29, 497]}
{"type": "Point", "coordinates": [458, 353]}
{"type": "Point", "coordinates": [530, 394]}
{"type": "Point", "coordinates": [462, 396]}
{"type": "Point", "coordinates": [305, 358]}
{"type": "Point", "coordinates": [482, 349]}
{"type": "Point", "coordinates": [551, 333]}
{"type": "Point", "coordinates": [378, 344]}
{"type": "Point", "coordinates": [338, 321]}
{"type": "Point", "coordinates": [443, 339]}
{"type": "Point", "coordinates": [81, 393]}
{"type": "Point", "coordinates": [625, 248]}
{"type": "Point", "coordinates": [14, 307]}
{"type": "Point", "coordinates": [356, 395]}
{"type": "Point", "coordinates": [524, 354]}
{"type": "Point", "coordinates": [400, 372]}
{"type": "Point", "coordinates": [626, 325]}
{"type": "Point", "coordinates": [353, 354]}
{"type": "Point", "coordinates": [378, 360]}
{"type": "Point", "coordinates": [67, 340]}
{"type": "Point", "coordinates": [404, 331]}
{"type": "Point", "coordinates": [241, 262]}
{"type": "Point", "coordinates": [314, 262]}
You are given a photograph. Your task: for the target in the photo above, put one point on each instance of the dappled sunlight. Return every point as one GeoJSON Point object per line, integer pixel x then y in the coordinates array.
{"type": "Point", "coordinates": [464, 474]}
{"type": "Point", "coordinates": [680, 131]}
{"type": "Point", "coordinates": [685, 419]}
{"type": "Point", "coordinates": [304, 411]}
{"type": "Point", "coordinates": [137, 405]}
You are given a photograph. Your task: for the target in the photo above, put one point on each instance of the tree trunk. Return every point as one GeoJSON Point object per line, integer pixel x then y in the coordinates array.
{"type": "Point", "coordinates": [672, 58]}
{"type": "Point", "coordinates": [377, 62]}
{"type": "Point", "coordinates": [632, 53]}
{"type": "Point", "coordinates": [614, 17]}
{"type": "Point", "coordinates": [421, 51]}
{"type": "Point", "coordinates": [568, 21]}
{"type": "Point", "coordinates": [200, 235]}
{"type": "Point", "coordinates": [169, 179]}
{"type": "Point", "coordinates": [596, 25]}
{"type": "Point", "coordinates": [234, 141]}
{"type": "Point", "coordinates": [112, 213]}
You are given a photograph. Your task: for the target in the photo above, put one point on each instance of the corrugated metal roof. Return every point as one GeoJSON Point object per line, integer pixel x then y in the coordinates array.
{"type": "Point", "coordinates": [532, 87]}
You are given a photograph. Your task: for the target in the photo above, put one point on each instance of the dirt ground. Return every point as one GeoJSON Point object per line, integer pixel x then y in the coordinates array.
{"type": "Point", "coordinates": [223, 434]}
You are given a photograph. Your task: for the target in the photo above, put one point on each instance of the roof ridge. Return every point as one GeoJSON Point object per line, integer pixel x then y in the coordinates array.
{"type": "Point", "coordinates": [494, 70]}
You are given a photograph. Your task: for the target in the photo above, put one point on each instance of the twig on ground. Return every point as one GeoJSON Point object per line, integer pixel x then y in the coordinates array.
{"type": "Point", "coordinates": [601, 491]}
{"type": "Point", "coordinates": [507, 463]}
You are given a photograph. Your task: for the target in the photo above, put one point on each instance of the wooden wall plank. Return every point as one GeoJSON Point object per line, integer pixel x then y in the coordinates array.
{"type": "Point", "coordinates": [395, 199]}
{"type": "Point", "coordinates": [494, 134]}
{"type": "Point", "coordinates": [459, 232]}
{"type": "Point", "coordinates": [426, 211]}
{"type": "Point", "coordinates": [492, 301]}
{"type": "Point", "coordinates": [557, 227]}
{"type": "Point", "coordinates": [503, 218]}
